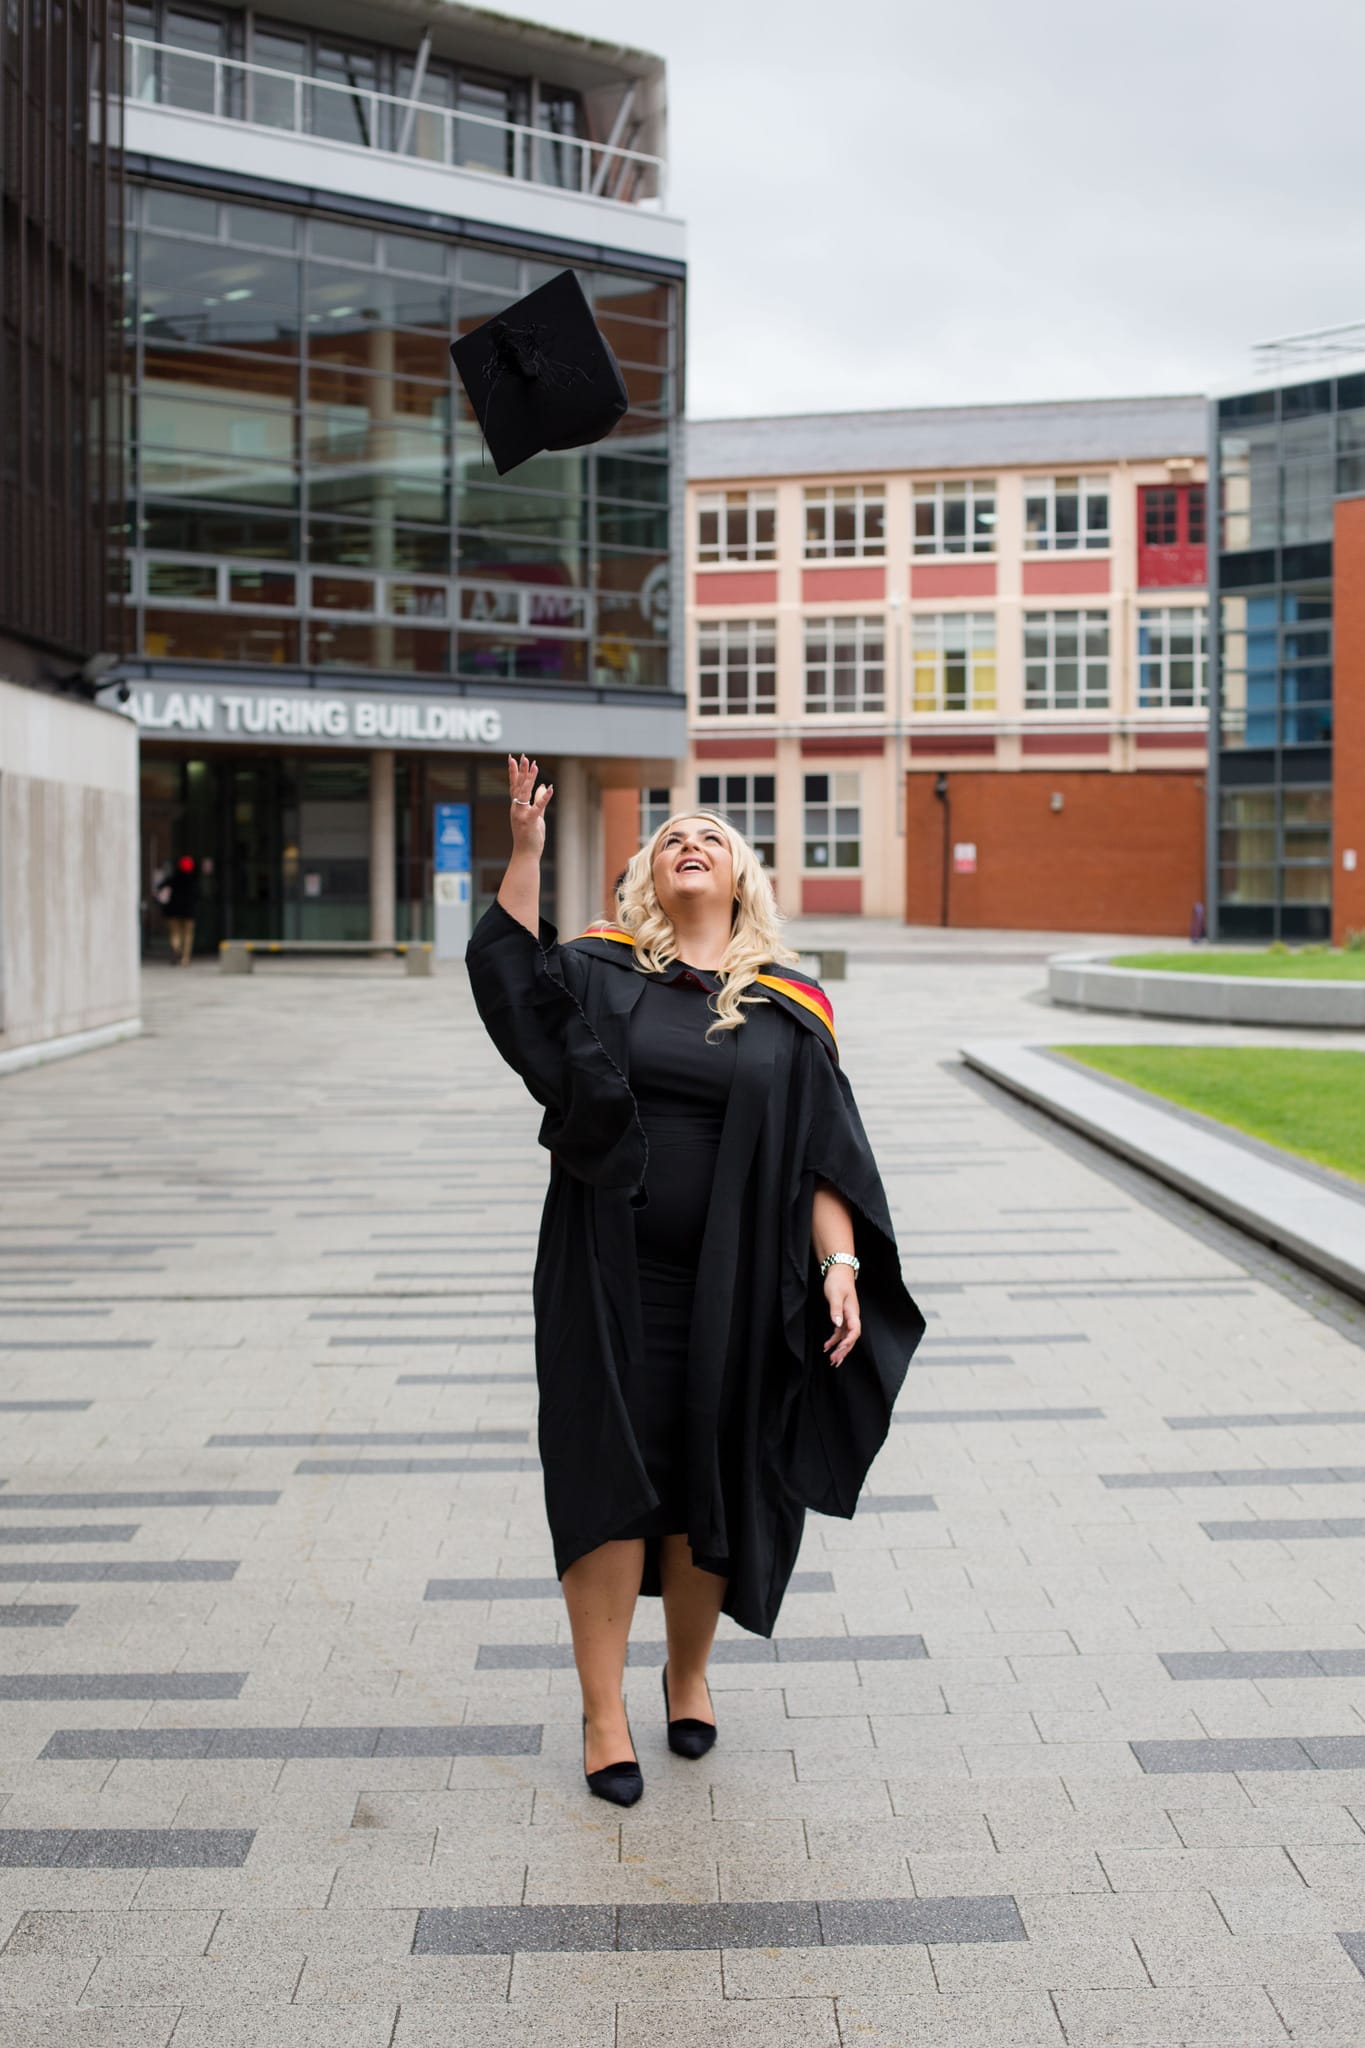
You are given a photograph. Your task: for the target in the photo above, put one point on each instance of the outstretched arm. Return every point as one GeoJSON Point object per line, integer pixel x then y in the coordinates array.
{"type": "Point", "coordinates": [519, 893]}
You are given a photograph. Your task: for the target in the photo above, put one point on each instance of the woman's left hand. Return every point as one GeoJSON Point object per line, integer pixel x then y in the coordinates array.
{"type": "Point", "coordinates": [841, 1292]}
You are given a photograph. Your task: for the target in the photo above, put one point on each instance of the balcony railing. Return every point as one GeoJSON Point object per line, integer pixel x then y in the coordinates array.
{"type": "Point", "coordinates": [358, 117]}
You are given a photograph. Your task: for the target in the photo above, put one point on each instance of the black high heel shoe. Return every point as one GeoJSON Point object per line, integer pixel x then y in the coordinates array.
{"type": "Point", "coordinates": [622, 1784]}
{"type": "Point", "coordinates": [688, 1737]}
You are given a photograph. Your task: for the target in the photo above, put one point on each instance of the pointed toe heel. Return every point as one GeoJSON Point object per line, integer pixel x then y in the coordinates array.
{"type": "Point", "coordinates": [688, 1737]}
{"type": "Point", "coordinates": [621, 1784]}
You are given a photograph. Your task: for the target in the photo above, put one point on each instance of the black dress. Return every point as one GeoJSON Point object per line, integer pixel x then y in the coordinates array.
{"type": "Point", "coordinates": [682, 1088]}
{"type": "Point", "coordinates": [770, 1429]}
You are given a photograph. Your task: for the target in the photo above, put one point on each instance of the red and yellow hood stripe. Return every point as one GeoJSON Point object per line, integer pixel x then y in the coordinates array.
{"type": "Point", "coordinates": [795, 988]}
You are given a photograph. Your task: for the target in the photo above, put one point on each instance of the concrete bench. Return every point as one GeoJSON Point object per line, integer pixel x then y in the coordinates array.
{"type": "Point", "coordinates": [238, 956]}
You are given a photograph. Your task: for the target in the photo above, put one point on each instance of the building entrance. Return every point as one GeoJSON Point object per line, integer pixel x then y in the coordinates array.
{"type": "Point", "coordinates": [284, 842]}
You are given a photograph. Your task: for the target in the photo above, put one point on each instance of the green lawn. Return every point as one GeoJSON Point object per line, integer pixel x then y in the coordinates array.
{"type": "Point", "coordinates": [1304, 1101]}
{"type": "Point", "coordinates": [1302, 966]}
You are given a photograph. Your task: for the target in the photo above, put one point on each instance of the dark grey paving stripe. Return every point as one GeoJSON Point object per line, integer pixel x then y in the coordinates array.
{"type": "Point", "coordinates": [14, 1614]}
{"type": "Point", "coordinates": [413, 1342]}
{"type": "Point", "coordinates": [936, 1360]}
{"type": "Point", "coordinates": [71, 1532]}
{"type": "Point", "coordinates": [143, 1571]}
{"type": "Point", "coordinates": [1327, 1529]}
{"type": "Point", "coordinates": [1286, 1418]}
{"type": "Point", "coordinates": [419, 1315]}
{"type": "Point", "coordinates": [1354, 1945]}
{"type": "Point", "coordinates": [193, 1497]}
{"type": "Point", "coordinates": [1196, 1664]}
{"type": "Point", "coordinates": [1014, 1337]}
{"type": "Point", "coordinates": [121, 1685]}
{"type": "Point", "coordinates": [190, 1745]}
{"type": "Point", "coordinates": [125, 1848]}
{"type": "Point", "coordinates": [75, 1344]}
{"type": "Point", "coordinates": [897, 1504]}
{"type": "Point", "coordinates": [746, 1650]}
{"type": "Point", "coordinates": [1253, 1753]}
{"type": "Point", "coordinates": [1230, 1475]}
{"type": "Point", "coordinates": [466, 1379]}
{"type": "Point", "coordinates": [916, 1415]}
{"type": "Point", "coordinates": [321, 1438]}
{"type": "Point", "coordinates": [41, 1407]}
{"type": "Point", "coordinates": [829, 1923]}
{"type": "Point", "coordinates": [375, 1468]}
{"type": "Point", "coordinates": [548, 1588]}
{"type": "Point", "coordinates": [1136, 1290]}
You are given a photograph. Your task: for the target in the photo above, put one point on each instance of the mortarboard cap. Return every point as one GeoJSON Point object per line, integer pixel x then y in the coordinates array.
{"type": "Point", "coordinates": [541, 375]}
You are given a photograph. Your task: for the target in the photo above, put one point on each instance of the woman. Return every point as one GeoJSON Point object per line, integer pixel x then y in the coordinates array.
{"type": "Point", "coordinates": [721, 1325]}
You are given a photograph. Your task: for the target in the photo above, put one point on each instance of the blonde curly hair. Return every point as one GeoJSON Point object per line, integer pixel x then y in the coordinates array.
{"type": "Point", "coordinates": [755, 929]}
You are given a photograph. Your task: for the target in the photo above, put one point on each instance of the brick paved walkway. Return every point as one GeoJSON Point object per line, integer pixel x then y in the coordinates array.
{"type": "Point", "coordinates": [1062, 1739]}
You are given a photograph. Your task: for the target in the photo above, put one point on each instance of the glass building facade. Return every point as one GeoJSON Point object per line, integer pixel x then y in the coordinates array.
{"type": "Point", "coordinates": [309, 488]}
{"type": "Point", "coordinates": [337, 615]}
{"type": "Point", "coordinates": [1282, 458]}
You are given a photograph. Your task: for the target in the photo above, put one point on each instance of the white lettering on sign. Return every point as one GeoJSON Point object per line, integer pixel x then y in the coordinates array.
{"type": "Point", "coordinates": [312, 716]}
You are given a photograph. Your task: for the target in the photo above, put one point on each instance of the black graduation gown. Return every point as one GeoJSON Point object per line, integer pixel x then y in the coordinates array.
{"type": "Point", "coordinates": [772, 1427]}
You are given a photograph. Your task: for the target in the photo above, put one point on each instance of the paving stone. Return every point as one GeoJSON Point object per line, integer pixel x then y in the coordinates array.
{"type": "Point", "coordinates": [583, 2024]}
{"type": "Point", "coordinates": [67, 1532]}
{"type": "Point", "coordinates": [140, 1571]}
{"type": "Point", "coordinates": [121, 1685]}
{"type": "Point", "coordinates": [99, 1933]}
{"type": "Point", "coordinates": [14, 1614]}
{"type": "Point", "coordinates": [1221, 2017]}
{"type": "Point", "coordinates": [123, 1848]}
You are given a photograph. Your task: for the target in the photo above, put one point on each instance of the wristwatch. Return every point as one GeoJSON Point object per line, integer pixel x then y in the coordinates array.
{"type": "Point", "coordinates": [838, 1259]}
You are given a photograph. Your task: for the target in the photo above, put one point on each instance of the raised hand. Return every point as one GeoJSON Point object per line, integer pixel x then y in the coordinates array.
{"type": "Point", "coordinates": [528, 806]}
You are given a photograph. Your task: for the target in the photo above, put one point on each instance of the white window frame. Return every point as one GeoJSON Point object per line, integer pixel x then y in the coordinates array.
{"type": "Point", "coordinates": [865, 500]}
{"type": "Point", "coordinates": [866, 635]}
{"type": "Point", "coordinates": [1154, 665]}
{"type": "Point", "coordinates": [968, 641]}
{"type": "Point", "coordinates": [977, 494]}
{"type": "Point", "coordinates": [1092, 668]}
{"type": "Point", "coordinates": [845, 794]}
{"type": "Point", "coordinates": [749, 812]}
{"type": "Point", "coordinates": [756, 640]}
{"type": "Point", "coordinates": [747, 506]}
{"type": "Point", "coordinates": [1087, 490]}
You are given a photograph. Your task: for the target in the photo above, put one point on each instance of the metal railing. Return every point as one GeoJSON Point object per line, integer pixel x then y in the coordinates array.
{"type": "Point", "coordinates": [360, 117]}
{"type": "Point", "coordinates": [1326, 345]}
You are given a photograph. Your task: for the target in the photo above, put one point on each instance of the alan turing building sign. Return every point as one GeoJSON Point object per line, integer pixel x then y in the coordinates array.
{"type": "Point", "coordinates": [311, 717]}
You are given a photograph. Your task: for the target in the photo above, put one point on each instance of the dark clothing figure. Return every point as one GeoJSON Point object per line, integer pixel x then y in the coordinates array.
{"type": "Point", "coordinates": [679, 1309]}
{"type": "Point", "coordinates": [181, 897]}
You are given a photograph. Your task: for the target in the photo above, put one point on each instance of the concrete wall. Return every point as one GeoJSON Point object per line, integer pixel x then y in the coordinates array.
{"type": "Point", "coordinates": [1124, 853]}
{"type": "Point", "coordinates": [68, 867]}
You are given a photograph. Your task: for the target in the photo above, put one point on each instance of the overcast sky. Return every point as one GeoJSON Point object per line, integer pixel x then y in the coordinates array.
{"type": "Point", "coordinates": [894, 203]}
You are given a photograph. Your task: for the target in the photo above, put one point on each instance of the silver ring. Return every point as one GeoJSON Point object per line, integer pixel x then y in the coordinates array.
{"type": "Point", "coordinates": [524, 800]}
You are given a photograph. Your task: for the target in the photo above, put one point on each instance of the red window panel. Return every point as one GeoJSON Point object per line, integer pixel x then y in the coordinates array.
{"type": "Point", "coordinates": [1171, 536]}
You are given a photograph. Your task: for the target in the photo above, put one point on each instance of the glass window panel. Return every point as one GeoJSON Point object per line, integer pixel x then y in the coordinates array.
{"type": "Point", "coordinates": [183, 579]}
{"type": "Point", "coordinates": [525, 658]}
{"type": "Point", "coordinates": [176, 420]}
{"type": "Point", "coordinates": [264, 639]}
{"type": "Point", "coordinates": [262, 225]}
{"type": "Point", "coordinates": [181, 214]}
{"type": "Point", "coordinates": [363, 545]}
{"type": "Point", "coordinates": [209, 530]}
{"type": "Point", "coordinates": [210, 477]}
{"type": "Point", "coordinates": [409, 353]}
{"type": "Point", "coordinates": [262, 587]}
{"type": "Point", "coordinates": [342, 593]}
{"type": "Point", "coordinates": [354, 644]}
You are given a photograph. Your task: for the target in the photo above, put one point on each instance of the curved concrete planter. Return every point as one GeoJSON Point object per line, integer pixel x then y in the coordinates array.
{"type": "Point", "coordinates": [1087, 981]}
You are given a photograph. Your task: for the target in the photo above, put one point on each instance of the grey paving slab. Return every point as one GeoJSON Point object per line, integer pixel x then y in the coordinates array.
{"type": "Point", "coordinates": [389, 1468]}
{"type": "Point", "coordinates": [1230, 1753]}
{"type": "Point", "coordinates": [126, 1572]}
{"type": "Point", "coordinates": [1309, 1529]}
{"type": "Point", "coordinates": [548, 1588]}
{"type": "Point", "coordinates": [1190, 1665]}
{"type": "Point", "coordinates": [1279, 1418]}
{"type": "Point", "coordinates": [221, 1744]}
{"type": "Point", "coordinates": [41, 1407]}
{"type": "Point", "coordinates": [466, 1379]}
{"type": "Point", "coordinates": [17, 1614]}
{"type": "Point", "coordinates": [912, 1416]}
{"type": "Point", "coordinates": [896, 1504]}
{"type": "Point", "coordinates": [1247, 1475]}
{"type": "Point", "coordinates": [321, 1438]}
{"type": "Point", "coordinates": [124, 1848]}
{"type": "Point", "coordinates": [121, 1685]}
{"type": "Point", "coordinates": [193, 1497]}
{"type": "Point", "coordinates": [68, 1532]}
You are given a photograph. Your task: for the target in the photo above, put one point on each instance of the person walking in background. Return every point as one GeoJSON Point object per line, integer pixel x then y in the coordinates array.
{"type": "Point", "coordinates": [180, 901]}
{"type": "Point", "coordinates": [721, 1324]}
